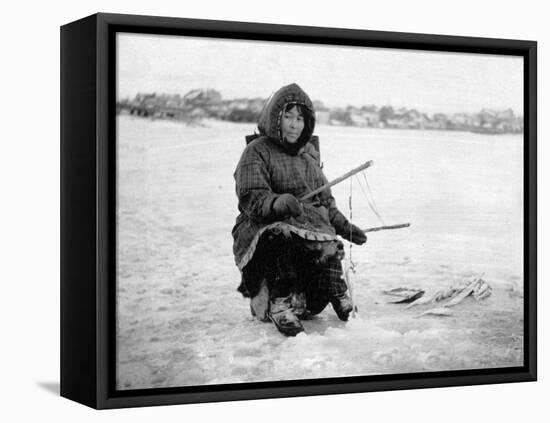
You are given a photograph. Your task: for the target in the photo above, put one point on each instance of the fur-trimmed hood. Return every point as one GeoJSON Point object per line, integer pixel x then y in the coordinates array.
{"type": "Point", "coordinates": [269, 123]}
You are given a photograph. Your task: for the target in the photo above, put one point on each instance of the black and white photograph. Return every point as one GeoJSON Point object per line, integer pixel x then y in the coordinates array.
{"type": "Point", "coordinates": [280, 211]}
{"type": "Point", "coordinates": [291, 211]}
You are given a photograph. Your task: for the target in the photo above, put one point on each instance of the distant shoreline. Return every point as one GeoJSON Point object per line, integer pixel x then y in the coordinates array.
{"type": "Point", "coordinates": [199, 104]}
{"type": "Point", "coordinates": [203, 122]}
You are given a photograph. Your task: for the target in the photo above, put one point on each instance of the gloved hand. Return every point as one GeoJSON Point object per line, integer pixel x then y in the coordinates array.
{"type": "Point", "coordinates": [354, 234]}
{"type": "Point", "coordinates": [287, 205]}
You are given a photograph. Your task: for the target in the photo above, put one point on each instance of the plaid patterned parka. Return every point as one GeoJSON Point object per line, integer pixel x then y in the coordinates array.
{"type": "Point", "coordinates": [269, 168]}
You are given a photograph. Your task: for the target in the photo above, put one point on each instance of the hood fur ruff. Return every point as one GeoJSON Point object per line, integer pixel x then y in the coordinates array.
{"type": "Point", "coordinates": [270, 118]}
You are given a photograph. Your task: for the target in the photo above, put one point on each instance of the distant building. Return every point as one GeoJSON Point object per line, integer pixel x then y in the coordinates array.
{"type": "Point", "coordinates": [202, 96]}
{"type": "Point", "coordinates": [207, 103]}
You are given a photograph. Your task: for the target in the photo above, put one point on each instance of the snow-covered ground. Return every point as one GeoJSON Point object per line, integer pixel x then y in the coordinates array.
{"type": "Point", "coordinates": [180, 320]}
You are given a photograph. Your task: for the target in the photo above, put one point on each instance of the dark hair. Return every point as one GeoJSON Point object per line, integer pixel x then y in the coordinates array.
{"type": "Point", "coordinates": [309, 119]}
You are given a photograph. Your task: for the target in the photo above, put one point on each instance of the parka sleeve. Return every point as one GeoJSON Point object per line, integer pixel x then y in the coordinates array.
{"type": "Point", "coordinates": [253, 187]}
{"type": "Point", "coordinates": [336, 217]}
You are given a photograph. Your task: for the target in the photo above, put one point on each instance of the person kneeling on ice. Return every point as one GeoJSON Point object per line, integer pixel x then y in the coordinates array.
{"type": "Point", "coordinates": [288, 251]}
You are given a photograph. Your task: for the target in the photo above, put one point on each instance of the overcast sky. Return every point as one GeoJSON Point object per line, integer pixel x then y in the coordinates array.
{"type": "Point", "coordinates": [338, 76]}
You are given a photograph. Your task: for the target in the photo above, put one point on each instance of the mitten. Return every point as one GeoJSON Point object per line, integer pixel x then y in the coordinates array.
{"type": "Point", "coordinates": [286, 205]}
{"type": "Point", "coordinates": [354, 234]}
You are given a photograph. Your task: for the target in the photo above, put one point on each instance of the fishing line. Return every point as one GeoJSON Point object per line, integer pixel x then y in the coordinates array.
{"type": "Point", "coordinates": [370, 199]}
{"type": "Point", "coordinates": [350, 267]}
{"type": "Point", "coordinates": [350, 206]}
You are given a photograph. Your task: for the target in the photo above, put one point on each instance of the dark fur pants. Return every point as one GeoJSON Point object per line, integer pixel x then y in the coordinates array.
{"type": "Point", "coordinates": [293, 265]}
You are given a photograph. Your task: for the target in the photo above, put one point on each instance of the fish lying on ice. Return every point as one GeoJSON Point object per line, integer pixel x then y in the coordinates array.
{"type": "Point", "coordinates": [407, 294]}
{"type": "Point", "coordinates": [482, 290]}
{"type": "Point", "coordinates": [401, 291]}
{"type": "Point", "coordinates": [410, 299]}
{"type": "Point", "coordinates": [461, 295]}
{"type": "Point", "coordinates": [478, 288]}
{"type": "Point", "coordinates": [438, 311]}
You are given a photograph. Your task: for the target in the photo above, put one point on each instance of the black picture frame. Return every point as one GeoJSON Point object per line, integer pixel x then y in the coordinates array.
{"type": "Point", "coordinates": [88, 181]}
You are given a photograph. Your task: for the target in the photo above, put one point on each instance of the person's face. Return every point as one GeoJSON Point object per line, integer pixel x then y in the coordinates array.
{"type": "Point", "coordinates": [292, 125]}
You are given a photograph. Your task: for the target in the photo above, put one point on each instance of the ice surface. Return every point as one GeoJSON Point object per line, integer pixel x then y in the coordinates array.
{"type": "Point", "coordinates": [180, 320]}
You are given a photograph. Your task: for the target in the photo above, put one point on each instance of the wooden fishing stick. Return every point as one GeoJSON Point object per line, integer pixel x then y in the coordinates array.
{"type": "Point", "coordinates": [383, 228]}
{"type": "Point", "coordinates": [337, 180]}
{"type": "Point", "coordinates": [343, 178]}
